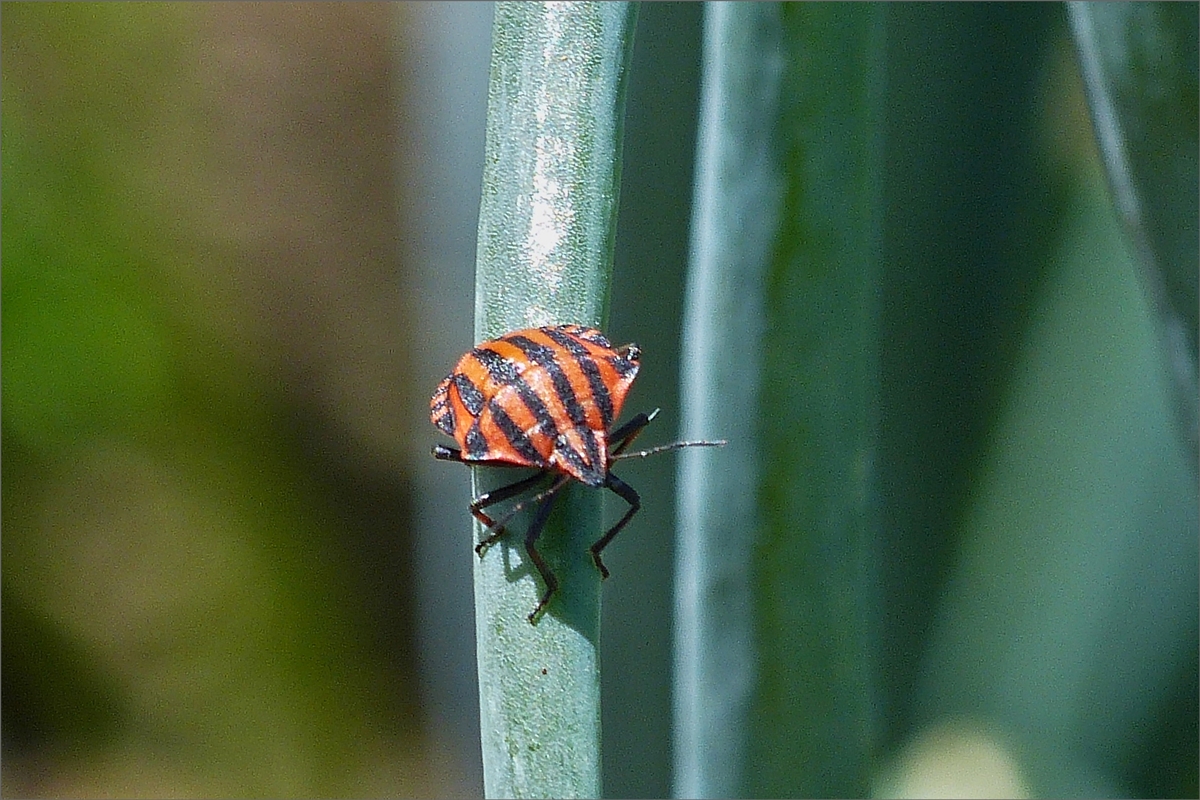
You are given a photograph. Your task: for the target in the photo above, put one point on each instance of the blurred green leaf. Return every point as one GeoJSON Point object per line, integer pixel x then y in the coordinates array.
{"type": "Point", "coordinates": [739, 199]}
{"type": "Point", "coordinates": [1139, 65]}
{"type": "Point", "coordinates": [1070, 615]}
{"type": "Point", "coordinates": [814, 562]}
{"type": "Point", "coordinates": [786, 250]}
{"type": "Point", "coordinates": [973, 208]}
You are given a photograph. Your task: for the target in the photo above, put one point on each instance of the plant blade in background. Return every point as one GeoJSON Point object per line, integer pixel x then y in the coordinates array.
{"type": "Point", "coordinates": [1139, 66]}
{"type": "Point", "coordinates": [1067, 627]}
{"type": "Point", "coordinates": [808, 693]}
{"type": "Point", "coordinates": [1071, 609]}
{"type": "Point", "coordinates": [739, 192]}
{"type": "Point", "coordinates": [814, 566]}
{"type": "Point", "coordinates": [551, 175]}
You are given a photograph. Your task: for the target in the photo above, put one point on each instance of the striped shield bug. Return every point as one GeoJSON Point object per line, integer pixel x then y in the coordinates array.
{"type": "Point", "coordinates": [544, 398]}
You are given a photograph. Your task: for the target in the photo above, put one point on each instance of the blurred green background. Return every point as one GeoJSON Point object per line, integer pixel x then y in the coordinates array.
{"type": "Point", "coordinates": [237, 256]}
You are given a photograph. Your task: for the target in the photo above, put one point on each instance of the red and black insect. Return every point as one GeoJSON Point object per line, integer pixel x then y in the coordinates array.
{"type": "Point", "coordinates": [544, 398]}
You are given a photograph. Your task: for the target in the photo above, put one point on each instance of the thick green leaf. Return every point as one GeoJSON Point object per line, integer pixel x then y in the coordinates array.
{"type": "Point", "coordinates": [814, 571]}
{"type": "Point", "coordinates": [775, 667]}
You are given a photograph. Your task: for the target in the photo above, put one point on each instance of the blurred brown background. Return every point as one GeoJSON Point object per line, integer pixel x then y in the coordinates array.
{"type": "Point", "coordinates": [209, 396]}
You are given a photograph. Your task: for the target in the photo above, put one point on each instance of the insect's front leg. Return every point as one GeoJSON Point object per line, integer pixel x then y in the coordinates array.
{"type": "Point", "coordinates": [499, 496]}
{"type": "Point", "coordinates": [623, 436]}
{"type": "Point", "coordinates": [629, 495]}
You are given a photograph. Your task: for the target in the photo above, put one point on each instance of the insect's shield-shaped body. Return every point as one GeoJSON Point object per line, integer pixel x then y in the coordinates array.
{"type": "Point", "coordinates": [544, 398]}
{"type": "Point", "coordinates": [539, 397]}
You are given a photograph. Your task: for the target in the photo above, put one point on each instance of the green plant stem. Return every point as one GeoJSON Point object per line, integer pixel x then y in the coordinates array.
{"type": "Point", "coordinates": [546, 225]}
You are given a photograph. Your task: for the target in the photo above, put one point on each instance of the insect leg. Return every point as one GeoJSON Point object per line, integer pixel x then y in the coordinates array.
{"type": "Point", "coordinates": [624, 435]}
{"type": "Point", "coordinates": [443, 453]}
{"type": "Point", "coordinates": [499, 496]}
{"type": "Point", "coordinates": [629, 495]}
{"type": "Point", "coordinates": [531, 537]}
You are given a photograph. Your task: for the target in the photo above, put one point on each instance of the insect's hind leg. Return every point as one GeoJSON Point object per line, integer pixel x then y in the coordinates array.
{"type": "Point", "coordinates": [629, 495]}
{"type": "Point", "coordinates": [531, 537]}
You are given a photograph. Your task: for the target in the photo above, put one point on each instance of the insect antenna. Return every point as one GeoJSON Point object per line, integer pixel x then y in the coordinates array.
{"type": "Point", "coordinates": [625, 435]}
{"type": "Point", "coordinates": [663, 448]}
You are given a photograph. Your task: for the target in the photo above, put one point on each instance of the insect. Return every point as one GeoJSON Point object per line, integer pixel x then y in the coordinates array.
{"type": "Point", "coordinates": [544, 398]}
